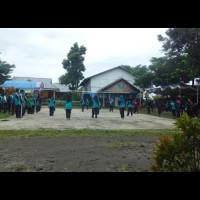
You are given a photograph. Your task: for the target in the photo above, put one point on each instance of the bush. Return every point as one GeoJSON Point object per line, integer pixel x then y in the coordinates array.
{"type": "Point", "coordinates": [181, 151]}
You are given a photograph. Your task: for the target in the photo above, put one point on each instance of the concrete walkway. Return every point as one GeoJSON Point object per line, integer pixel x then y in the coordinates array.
{"type": "Point", "coordinates": [79, 120]}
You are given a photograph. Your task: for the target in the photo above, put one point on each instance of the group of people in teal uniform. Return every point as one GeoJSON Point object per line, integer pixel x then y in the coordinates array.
{"type": "Point", "coordinates": [23, 103]}
{"type": "Point", "coordinates": [84, 103]}
{"type": "Point", "coordinates": [96, 105]}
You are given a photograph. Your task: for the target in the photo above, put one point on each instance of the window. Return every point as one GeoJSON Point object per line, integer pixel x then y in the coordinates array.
{"type": "Point", "coordinates": [121, 86]}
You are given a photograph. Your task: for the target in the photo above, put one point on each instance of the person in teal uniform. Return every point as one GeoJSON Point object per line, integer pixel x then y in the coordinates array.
{"type": "Point", "coordinates": [1, 102]}
{"type": "Point", "coordinates": [82, 104]}
{"type": "Point", "coordinates": [18, 103]}
{"type": "Point", "coordinates": [122, 106]}
{"type": "Point", "coordinates": [111, 104]}
{"type": "Point", "coordinates": [29, 105]}
{"type": "Point", "coordinates": [33, 103]}
{"type": "Point", "coordinates": [129, 106]}
{"type": "Point", "coordinates": [37, 105]}
{"type": "Point", "coordinates": [52, 103]}
{"type": "Point", "coordinates": [87, 103]}
{"type": "Point", "coordinates": [24, 100]}
{"type": "Point", "coordinates": [173, 109]}
{"type": "Point", "coordinates": [95, 106]}
{"type": "Point", "coordinates": [68, 106]}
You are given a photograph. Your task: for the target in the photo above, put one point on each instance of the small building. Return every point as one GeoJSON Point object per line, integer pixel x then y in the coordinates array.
{"type": "Point", "coordinates": [115, 89]}
{"type": "Point", "coordinates": [111, 83]}
{"type": "Point", "coordinates": [48, 90]}
{"type": "Point", "coordinates": [62, 89]}
{"type": "Point", "coordinates": [27, 86]}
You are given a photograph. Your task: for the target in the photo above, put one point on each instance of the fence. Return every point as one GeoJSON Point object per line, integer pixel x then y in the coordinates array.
{"type": "Point", "coordinates": [45, 102]}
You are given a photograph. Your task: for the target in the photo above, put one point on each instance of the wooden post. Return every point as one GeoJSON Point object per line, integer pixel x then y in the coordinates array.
{"type": "Point", "coordinates": [140, 106]}
{"type": "Point", "coordinates": [31, 90]}
{"type": "Point", "coordinates": [54, 94]}
{"type": "Point", "coordinates": [103, 101]}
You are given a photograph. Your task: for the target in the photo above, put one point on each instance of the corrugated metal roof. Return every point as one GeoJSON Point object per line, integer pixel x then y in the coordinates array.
{"type": "Point", "coordinates": [88, 78]}
{"type": "Point", "coordinates": [47, 81]}
{"type": "Point", "coordinates": [62, 88]}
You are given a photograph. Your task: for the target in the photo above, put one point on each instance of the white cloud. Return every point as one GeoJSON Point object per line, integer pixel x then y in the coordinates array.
{"type": "Point", "coordinates": [39, 52]}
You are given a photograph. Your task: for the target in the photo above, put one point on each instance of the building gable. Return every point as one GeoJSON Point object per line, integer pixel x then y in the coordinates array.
{"type": "Point", "coordinates": [119, 86]}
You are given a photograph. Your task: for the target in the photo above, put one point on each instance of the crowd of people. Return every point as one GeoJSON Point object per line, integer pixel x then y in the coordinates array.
{"type": "Point", "coordinates": [177, 107]}
{"type": "Point", "coordinates": [20, 103]}
{"type": "Point", "coordinates": [132, 105]}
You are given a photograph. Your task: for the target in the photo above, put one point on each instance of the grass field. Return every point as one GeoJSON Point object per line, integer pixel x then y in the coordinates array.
{"type": "Point", "coordinates": [3, 115]}
{"type": "Point", "coordinates": [17, 134]}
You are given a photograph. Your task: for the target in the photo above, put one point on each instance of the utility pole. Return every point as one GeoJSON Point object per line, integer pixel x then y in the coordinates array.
{"type": "Point", "coordinates": [140, 106]}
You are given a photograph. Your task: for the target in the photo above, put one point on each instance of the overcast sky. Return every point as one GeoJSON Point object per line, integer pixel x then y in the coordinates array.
{"type": "Point", "coordinates": [39, 52]}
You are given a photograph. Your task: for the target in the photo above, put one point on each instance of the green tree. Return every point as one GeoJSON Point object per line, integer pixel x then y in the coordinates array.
{"type": "Point", "coordinates": [168, 71]}
{"type": "Point", "coordinates": [74, 67]}
{"type": "Point", "coordinates": [143, 76]}
{"type": "Point", "coordinates": [183, 41]}
{"type": "Point", "coordinates": [5, 71]}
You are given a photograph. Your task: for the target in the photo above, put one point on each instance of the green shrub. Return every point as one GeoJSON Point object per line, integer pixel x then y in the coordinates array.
{"type": "Point", "coordinates": [181, 151]}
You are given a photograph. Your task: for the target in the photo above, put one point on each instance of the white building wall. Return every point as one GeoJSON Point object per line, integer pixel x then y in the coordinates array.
{"type": "Point", "coordinates": [102, 80]}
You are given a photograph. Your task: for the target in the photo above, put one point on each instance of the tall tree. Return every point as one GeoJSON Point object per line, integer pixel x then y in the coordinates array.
{"type": "Point", "coordinates": [181, 41]}
{"type": "Point", "coordinates": [5, 71]}
{"type": "Point", "coordinates": [74, 67]}
{"type": "Point", "coordinates": [167, 71]}
{"type": "Point", "coordinates": [143, 77]}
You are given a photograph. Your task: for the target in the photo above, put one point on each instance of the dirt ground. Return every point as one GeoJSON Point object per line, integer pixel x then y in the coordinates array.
{"type": "Point", "coordinates": [79, 120]}
{"type": "Point", "coordinates": [76, 154]}
{"type": "Point", "coordinates": [80, 154]}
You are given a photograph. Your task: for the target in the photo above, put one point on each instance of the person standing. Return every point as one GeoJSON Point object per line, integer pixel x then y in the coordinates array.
{"type": "Point", "coordinates": [95, 106]}
{"type": "Point", "coordinates": [33, 104]}
{"type": "Point", "coordinates": [173, 109]}
{"type": "Point", "coordinates": [52, 104]}
{"type": "Point", "coordinates": [82, 104]}
{"type": "Point", "coordinates": [122, 106]}
{"type": "Point", "coordinates": [178, 108]}
{"type": "Point", "coordinates": [186, 106]}
{"type": "Point", "coordinates": [18, 103]}
{"type": "Point", "coordinates": [111, 104]}
{"type": "Point", "coordinates": [38, 102]}
{"type": "Point", "coordinates": [24, 100]}
{"type": "Point", "coordinates": [5, 103]}
{"type": "Point", "coordinates": [1, 101]}
{"type": "Point", "coordinates": [149, 107]}
{"type": "Point", "coordinates": [29, 105]}
{"type": "Point", "coordinates": [87, 103]}
{"type": "Point", "coordinates": [129, 106]}
{"type": "Point", "coordinates": [68, 106]}
{"type": "Point", "coordinates": [159, 107]}
{"type": "Point", "coordinates": [37, 105]}
{"type": "Point", "coordinates": [10, 102]}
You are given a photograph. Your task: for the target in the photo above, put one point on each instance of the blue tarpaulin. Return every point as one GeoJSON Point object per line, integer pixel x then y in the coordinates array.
{"type": "Point", "coordinates": [20, 84]}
